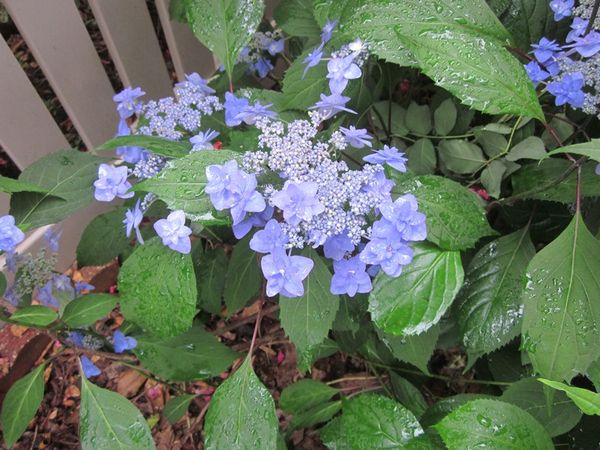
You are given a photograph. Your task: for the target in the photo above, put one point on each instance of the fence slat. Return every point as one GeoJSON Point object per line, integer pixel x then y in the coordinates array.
{"type": "Point", "coordinates": [59, 41]}
{"type": "Point", "coordinates": [131, 40]}
{"type": "Point", "coordinates": [27, 130]}
{"type": "Point", "coordinates": [188, 54]}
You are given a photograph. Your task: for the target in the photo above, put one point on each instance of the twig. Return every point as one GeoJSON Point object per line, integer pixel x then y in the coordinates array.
{"type": "Point", "coordinates": [342, 380]}
{"type": "Point", "coordinates": [592, 18]}
{"type": "Point", "coordinates": [245, 320]}
{"type": "Point", "coordinates": [258, 319]}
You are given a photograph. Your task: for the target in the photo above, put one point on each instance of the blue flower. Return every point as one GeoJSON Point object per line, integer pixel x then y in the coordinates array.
{"type": "Point", "coordinates": [76, 338]}
{"type": "Point", "coordinates": [298, 201]}
{"type": "Point", "coordinates": [545, 49]}
{"type": "Point", "coordinates": [122, 343]}
{"type": "Point", "coordinates": [89, 368]}
{"type": "Point", "coordinates": [403, 214]}
{"type": "Point", "coordinates": [330, 105]}
{"type": "Point", "coordinates": [390, 255]}
{"type": "Point", "coordinates": [197, 81]}
{"type": "Point", "coordinates": [275, 46]}
{"type": "Point", "coordinates": [10, 235]}
{"type": "Point", "coordinates": [233, 107]}
{"type": "Point", "coordinates": [249, 114]}
{"type": "Point", "coordinates": [129, 154]}
{"type": "Point", "coordinates": [350, 277]}
{"type": "Point", "coordinates": [52, 238]}
{"type": "Point", "coordinates": [327, 31]}
{"type": "Point", "coordinates": [219, 179]}
{"type": "Point", "coordinates": [133, 219]}
{"type": "Point", "coordinates": [587, 45]}
{"type": "Point", "coordinates": [81, 286]}
{"type": "Point", "coordinates": [270, 239]}
{"type": "Point", "coordinates": [380, 186]}
{"type": "Point", "coordinates": [568, 90]}
{"type": "Point", "coordinates": [262, 66]}
{"type": "Point", "coordinates": [357, 138]}
{"type": "Point", "coordinates": [536, 73]}
{"type": "Point", "coordinates": [257, 220]}
{"type": "Point", "coordinates": [11, 296]}
{"type": "Point", "coordinates": [202, 140]}
{"type": "Point", "coordinates": [390, 156]}
{"type": "Point", "coordinates": [313, 58]}
{"type": "Point", "coordinates": [174, 233]}
{"type": "Point", "coordinates": [12, 259]}
{"type": "Point", "coordinates": [46, 296]}
{"type": "Point", "coordinates": [247, 198]}
{"type": "Point", "coordinates": [561, 8]}
{"type": "Point", "coordinates": [598, 169]}
{"type": "Point", "coordinates": [578, 26]}
{"type": "Point", "coordinates": [336, 247]}
{"type": "Point", "coordinates": [63, 284]}
{"type": "Point", "coordinates": [126, 102]}
{"type": "Point", "coordinates": [284, 274]}
{"type": "Point", "coordinates": [112, 182]}
{"type": "Point", "coordinates": [340, 70]}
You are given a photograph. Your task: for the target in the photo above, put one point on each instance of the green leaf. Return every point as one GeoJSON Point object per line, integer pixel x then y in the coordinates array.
{"type": "Point", "coordinates": [306, 357]}
{"type": "Point", "coordinates": [155, 279]}
{"type": "Point", "coordinates": [445, 406]}
{"type": "Point", "coordinates": [561, 126]}
{"type": "Point", "coordinates": [332, 435]}
{"type": "Point", "coordinates": [421, 157]}
{"type": "Point", "coordinates": [224, 26]}
{"type": "Point", "coordinates": [317, 414]}
{"type": "Point", "coordinates": [376, 422]}
{"type": "Point", "coordinates": [456, 219]}
{"type": "Point", "coordinates": [155, 144]}
{"type": "Point", "coordinates": [304, 394]}
{"type": "Point", "coordinates": [493, 143]}
{"type": "Point", "coordinates": [593, 373]}
{"type": "Point", "coordinates": [244, 278]}
{"type": "Point", "coordinates": [492, 424]}
{"type": "Point", "coordinates": [86, 310]}
{"type": "Point", "coordinates": [461, 156]}
{"type": "Point", "coordinates": [560, 330]}
{"type": "Point", "coordinates": [489, 305]}
{"type": "Point", "coordinates": [308, 319]}
{"type": "Point", "coordinates": [302, 91]}
{"type": "Point", "coordinates": [387, 112]}
{"type": "Point", "coordinates": [444, 117]}
{"type": "Point", "coordinates": [586, 400]}
{"type": "Point", "coordinates": [2, 283]}
{"type": "Point", "coordinates": [418, 118]}
{"type": "Point", "coordinates": [181, 184]}
{"type": "Point", "coordinates": [417, 299]}
{"type": "Point", "coordinates": [10, 185]}
{"type": "Point", "coordinates": [590, 149]}
{"type": "Point", "coordinates": [408, 395]}
{"type": "Point", "coordinates": [34, 315]}
{"type": "Point", "coordinates": [193, 355]}
{"type": "Point", "coordinates": [176, 407]}
{"type": "Point", "coordinates": [296, 18]}
{"type": "Point", "coordinates": [103, 239]}
{"type": "Point", "coordinates": [21, 403]}
{"type": "Point", "coordinates": [415, 350]}
{"type": "Point", "coordinates": [67, 175]}
{"type": "Point", "coordinates": [108, 421]}
{"type": "Point", "coordinates": [241, 414]}
{"type": "Point", "coordinates": [558, 415]}
{"type": "Point", "coordinates": [531, 147]}
{"type": "Point", "coordinates": [210, 278]}
{"type": "Point", "coordinates": [506, 365]}
{"type": "Point", "coordinates": [491, 177]}
{"type": "Point", "coordinates": [533, 177]}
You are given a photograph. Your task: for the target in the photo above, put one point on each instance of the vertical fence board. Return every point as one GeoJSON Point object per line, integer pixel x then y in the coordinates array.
{"type": "Point", "coordinates": [188, 54]}
{"type": "Point", "coordinates": [27, 130]}
{"type": "Point", "coordinates": [59, 41]}
{"type": "Point", "coordinates": [131, 40]}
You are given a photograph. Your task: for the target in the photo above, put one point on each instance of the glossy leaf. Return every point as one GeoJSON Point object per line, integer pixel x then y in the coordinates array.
{"type": "Point", "coordinates": [417, 299]}
{"type": "Point", "coordinates": [556, 413]}
{"type": "Point", "coordinates": [103, 239]}
{"type": "Point", "coordinates": [296, 18]}
{"type": "Point", "coordinates": [445, 406]}
{"type": "Point", "coordinates": [461, 156]}
{"type": "Point", "coordinates": [155, 277]}
{"type": "Point", "coordinates": [244, 277]}
{"type": "Point", "coordinates": [489, 306]}
{"type": "Point", "coordinates": [416, 350]}
{"type": "Point", "coordinates": [21, 403]}
{"type": "Point", "coordinates": [308, 319]}
{"type": "Point", "coordinates": [224, 26]}
{"type": "Point", "coordinates": [181, 184]}
{"type": "Point", "coordinates": [376, 422]}
{"type": "Point", "coordinates": [67, 175]}
{"type": "Point", "coordinates": [303, 91]}
{"type": "Point", "coordinates": [492, 424]}
{"type": "Point", "coordinates": [211, 271]}
{"type": "Point", "coordinates": [34, 315]}
{"type": "Point", "coordinates": [304, 394]}
{"type": "Point", "coordinates": [108, 421]}
{"type": "Point", "coordinates": [586, 400]}
{"type": "Point", "coordinates": [86, 310]}
{"type": "Point", "coordinates": [317, 414]}
{"type": "Point", "coordinates": [176, 407]}
{"type": "Point", "coordinates": [456, 219]}
{"type": "Point", "coordinates": [408, 395]}
{"type": "Point", "coordinates": [560, 321]}
{"type": "Point", "coordinates": [241, 414]}
{"type": "Point", "coordinates": [155, 144]}
{"type": "Point", "coordinates": [193, 355]}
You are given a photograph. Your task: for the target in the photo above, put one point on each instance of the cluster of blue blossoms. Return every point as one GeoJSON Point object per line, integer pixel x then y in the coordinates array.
{"type": "Point", "coordinates": [260, 51]}
{"type": "Point", "coordinates": [571, 71]}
